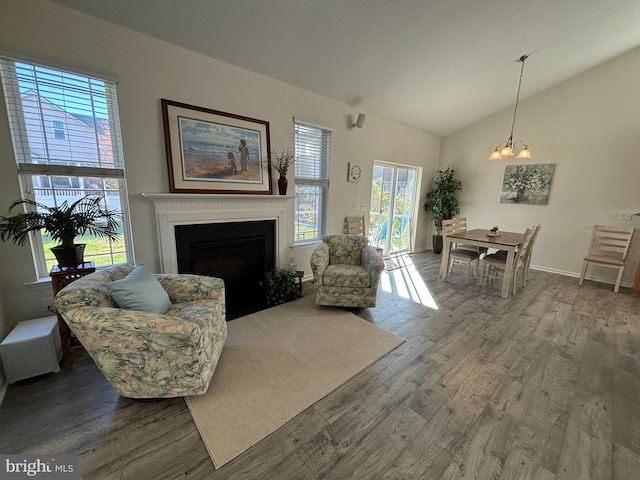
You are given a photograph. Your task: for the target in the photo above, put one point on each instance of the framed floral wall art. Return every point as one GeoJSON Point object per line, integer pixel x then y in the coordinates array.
{"type": "Point", "coordinates": [527, 184]}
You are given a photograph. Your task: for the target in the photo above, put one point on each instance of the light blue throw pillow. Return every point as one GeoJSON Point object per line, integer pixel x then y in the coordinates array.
{"type": "Point", "coordinates": [140, 290]}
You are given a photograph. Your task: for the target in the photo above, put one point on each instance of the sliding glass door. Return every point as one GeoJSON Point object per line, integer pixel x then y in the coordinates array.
{"type": "Point", "coordinates": [392, 206]}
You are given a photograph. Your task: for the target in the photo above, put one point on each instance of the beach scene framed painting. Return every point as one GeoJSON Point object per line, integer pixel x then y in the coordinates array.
{"type": "Point", "coordinates": [215, 152]}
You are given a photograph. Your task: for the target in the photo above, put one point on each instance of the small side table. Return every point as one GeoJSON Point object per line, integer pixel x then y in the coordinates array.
{"type": "Point", "coordinates": [299, 275]}
{"type": "Point", "coordinates": [60, 278]}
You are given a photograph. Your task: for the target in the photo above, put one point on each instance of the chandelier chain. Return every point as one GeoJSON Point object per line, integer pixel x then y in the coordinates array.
{"type": "Point", "coordinates": [515, 110]}
{"type": "Point", "coordinates": [506, 149]}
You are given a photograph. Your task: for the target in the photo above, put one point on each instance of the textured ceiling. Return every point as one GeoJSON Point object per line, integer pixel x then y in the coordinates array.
{"type": "Point", "coordinates": [437, 65]}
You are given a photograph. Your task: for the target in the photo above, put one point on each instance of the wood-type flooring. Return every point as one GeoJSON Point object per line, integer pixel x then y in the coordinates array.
{"type": "Point", "coordinates": [544, 384]}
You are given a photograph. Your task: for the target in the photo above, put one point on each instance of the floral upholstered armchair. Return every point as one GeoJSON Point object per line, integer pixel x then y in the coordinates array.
{"type": "Point", "coordinates": [144, 354]}
{"type": "Point", "coordinates": [346, 271]}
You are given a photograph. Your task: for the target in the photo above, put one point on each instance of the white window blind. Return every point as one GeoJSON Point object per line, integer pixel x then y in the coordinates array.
{"type": "Point", "coordinates": [65, 131]}
{"type": "Point", "coordinates": [313, 154]}
{"type": "Point", "coordinates": [312, 169]}
{"type": "Point", "coordinates": [40, 99]}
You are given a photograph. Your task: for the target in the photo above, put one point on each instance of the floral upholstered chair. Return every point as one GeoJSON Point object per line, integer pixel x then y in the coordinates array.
{"type": "Point", "coordinates": [145, 354]}
{"type": "Point", "coordinates": [346, 271]}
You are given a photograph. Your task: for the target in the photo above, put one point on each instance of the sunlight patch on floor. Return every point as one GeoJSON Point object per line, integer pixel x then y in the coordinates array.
{"type": "Point", "coordinates": [407, 283]}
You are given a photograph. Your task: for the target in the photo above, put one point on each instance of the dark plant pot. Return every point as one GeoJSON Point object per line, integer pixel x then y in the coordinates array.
{"type": "Point", "coordinates": [282, 185]}
{"type": "Point", "coordinates": [437, 244]}
{"type": "Point", "coordinates": [69, 256]}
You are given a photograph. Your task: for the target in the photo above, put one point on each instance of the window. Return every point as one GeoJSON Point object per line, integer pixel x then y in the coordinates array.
{"type": "Point", "coordinates": [58, 129]}
{"type": "Point", "coordinates": [313, 154]}
{"type": "Point", "coordinates": [66, 139]}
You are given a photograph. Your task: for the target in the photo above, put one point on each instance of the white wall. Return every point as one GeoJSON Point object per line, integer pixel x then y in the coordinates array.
{"type": "Point", "coordinates": [148, 70]}
{"type": "Point", "coordinates": [589, 127]}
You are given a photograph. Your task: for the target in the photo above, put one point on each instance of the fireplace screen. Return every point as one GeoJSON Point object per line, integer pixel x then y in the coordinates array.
{"type": "Point", "coordinates": [240, 253]}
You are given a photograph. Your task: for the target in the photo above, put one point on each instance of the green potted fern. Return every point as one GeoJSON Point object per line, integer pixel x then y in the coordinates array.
{"type": "Point", "coordinates": [63, 224]}
{"type": "Point", "coordinates": [442, 203]}
{"type": "Point", "coordinates": [280, 286]}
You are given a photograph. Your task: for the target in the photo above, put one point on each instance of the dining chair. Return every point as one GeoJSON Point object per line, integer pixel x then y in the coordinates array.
{"type": "Point", "coordinates": [495, 264]}
{"type": "Point", "coordinates": [354, 225]}
{"type": "Point", "coordinates": [608, 248]}
{"type": "Point", "coordinates": [527, 266]}
{"type": "Point", "coordinates": [536, 230]}
{"type": "Point", "coordinates": [460, 257]}
{"type": "Point", "coordinates": [460, 224]}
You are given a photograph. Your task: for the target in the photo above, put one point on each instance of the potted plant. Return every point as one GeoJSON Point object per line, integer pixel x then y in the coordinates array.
{"type": "Point", "coordinates": [63, 223]}
{"type": "Point", "coordinates": [281, 162]}
{"type": "Point", "coordinates": [280, 286]}
{"type": "Point", "coordinates": [442, 203]}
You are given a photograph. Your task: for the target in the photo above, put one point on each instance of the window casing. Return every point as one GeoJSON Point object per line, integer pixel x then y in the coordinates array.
{"type": "Point", "coordinates": [66, 137]}
{"type": "Point", "coordinates": [312, 168]}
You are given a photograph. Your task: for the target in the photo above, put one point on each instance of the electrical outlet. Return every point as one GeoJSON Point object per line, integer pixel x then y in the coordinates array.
{"type": "Point", "coordinates": [354, 207]}
{"type": "Point", "coordinates": [363, 207]}
{"type": "Point", "coordinates": [625, 215]}
{"type": "Point", "coordinates": [47, 303]}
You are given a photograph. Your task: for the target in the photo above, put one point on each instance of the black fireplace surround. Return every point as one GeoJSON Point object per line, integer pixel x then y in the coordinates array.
{"type": "Point", "coordinates": [240, 253]}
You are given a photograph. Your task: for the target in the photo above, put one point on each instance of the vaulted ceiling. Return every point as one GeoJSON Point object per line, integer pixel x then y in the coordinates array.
{"type": "Point", "coordinates": [437, 65]}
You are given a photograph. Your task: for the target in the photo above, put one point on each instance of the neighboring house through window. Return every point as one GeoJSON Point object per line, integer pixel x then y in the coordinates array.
{"type": "Point", "coordinates": [66, 137]}
{"type": "Point", "coordinates": [312, 166]}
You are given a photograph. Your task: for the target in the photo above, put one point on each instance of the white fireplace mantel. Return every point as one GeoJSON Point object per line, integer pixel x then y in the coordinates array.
{"type": "Point", "coordinates": [189, 209]}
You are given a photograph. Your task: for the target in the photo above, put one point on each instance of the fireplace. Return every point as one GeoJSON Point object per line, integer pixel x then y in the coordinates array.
{"type": "Point", "coordinates": [173, 211]}
{"type": "Point", "coordinates": [238, 252]}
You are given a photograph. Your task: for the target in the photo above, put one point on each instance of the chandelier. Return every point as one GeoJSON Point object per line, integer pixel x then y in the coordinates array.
{"type": "Point", "coordinates": [505, 150]}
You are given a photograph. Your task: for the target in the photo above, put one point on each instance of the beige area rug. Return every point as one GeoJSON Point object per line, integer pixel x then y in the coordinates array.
{"type": "Point", "coordinates": [275, 364]}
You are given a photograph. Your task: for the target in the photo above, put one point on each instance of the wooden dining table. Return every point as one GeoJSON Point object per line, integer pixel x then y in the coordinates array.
{"type": "Point", "coordinates": [480, 237]}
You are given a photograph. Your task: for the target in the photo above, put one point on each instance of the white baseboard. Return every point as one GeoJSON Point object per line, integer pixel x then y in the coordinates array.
{"type": "Point", "coordinates": [567, 273]}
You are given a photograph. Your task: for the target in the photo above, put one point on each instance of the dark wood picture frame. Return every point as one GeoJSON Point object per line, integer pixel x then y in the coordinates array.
{"type": "Point", "coordinates": [209, 151]}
